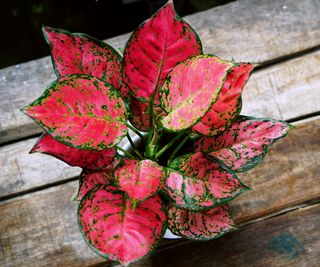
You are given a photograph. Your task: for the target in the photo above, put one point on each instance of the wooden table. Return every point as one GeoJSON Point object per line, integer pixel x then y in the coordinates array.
{"type": "Point", "coordinates": [279, 220]}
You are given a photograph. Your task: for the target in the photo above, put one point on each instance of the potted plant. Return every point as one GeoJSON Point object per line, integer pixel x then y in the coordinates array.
{"type": "Point", "coordinates": [183, 107]}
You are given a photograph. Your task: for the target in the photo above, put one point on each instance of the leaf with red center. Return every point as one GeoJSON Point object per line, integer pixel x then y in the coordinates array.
{"type": "Point", "coordinates": [228, 105]}
{"type": "Point", "coordinates": [117, 232]}
{"type": "Point", "coordinates": [81, 54]}
{"type": "Point", "coordinates": [197, 182]}
{"type": "Point", "coordinates": [155, 48]}
{"type": "Point", "coordinates": [87, 159]}
{"type": "Point", "coordinates": [81, 111]}
{"type": "Point", "coordinates": [140, 179]}
{"type": "Point", "coordinates": [245, 143]}
{"type": "Point", "coordinates": [200, 225]}
{"type": "Point", "coordinates": [191, 89]}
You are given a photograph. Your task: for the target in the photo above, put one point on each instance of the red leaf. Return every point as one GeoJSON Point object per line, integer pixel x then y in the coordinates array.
{"type": "Point", "coordinates": [87, 159]}
{"type": "Point", "coordinates": [140, 114]}
{"type": "Point", "coordinates": [90, 179]}
{"type": "Point", "coordinates": [117, 232]}
{"type": "Point", "coordinates": [200, 225]}
{"type": "Point", "coordinates": [191, 89]}
{"type": "Point", "coordinates": [81, 54]}
{"type": "Point", "coordinates": [140, 179]}
{"type": "Point", "coordinates": [155, 48]}
{"type": "Point", "coordinates": [245, 143]}
{"type": "Point", "coordinates": [196, 182]}
{"type": "Point", "coordinates": [228, 105]}
{"type": "Point", "coordinates": [81, 111]}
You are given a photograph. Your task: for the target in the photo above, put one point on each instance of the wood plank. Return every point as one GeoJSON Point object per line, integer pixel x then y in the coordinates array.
{"type": "Point", "coordinates": [289, 174]}
{"type": "Point", "coordinates": [292, 239]}
{"type": "Point", "coordinates": [39, 229]}
{"type": "Point", "coordinates": [21, 171]}
{"type": "Point", "coordinates": [285, 91]}
{"type": "Point", "coordinates": [280, 91]}
{"type": "Point", "coordinates": [245, 30]}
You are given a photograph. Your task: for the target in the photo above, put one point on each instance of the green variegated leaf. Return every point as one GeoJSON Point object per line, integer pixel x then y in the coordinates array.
{"type": "Point", "coordinates": [245, 143]}
{"type": "Point", "coordinates": [197, 182]}
{"type": "Point", "coordinates": [200, 225]}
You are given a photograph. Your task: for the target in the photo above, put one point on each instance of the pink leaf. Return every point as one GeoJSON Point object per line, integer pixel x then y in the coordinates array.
{"type": "Point", "coordinates": [140, 179]}
{"type": "Point", "coordinates": [87, 159]}
{"type": "Point", "coordinates": [245, 143]}
{"type": "Point", "coordinates": [117, 232]}
{"type": "Point", "coordinates": [155, 48]}
{"type": "Point", "coordinates": [81, 54]}
{"type": "Point", "coordinates": [81, 111]}
{"type": "Point", "coordinates": [200, 225]}
{"type": "Point", "coordinates": [196, 182]}
{"type": "Point", "coordinates": [90, 179]}
{"type": "Point", "coordinates": [228, 105]}
{"type": "Point", "coordinates": [191, 89]}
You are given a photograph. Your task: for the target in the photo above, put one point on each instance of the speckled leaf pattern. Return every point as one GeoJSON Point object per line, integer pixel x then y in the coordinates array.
{"type": "Point", "coordinates": [116, 231]}
{"type": "Point", "coordinates": [87, 159]}
{"type": "Point", "coordinates": [200, 225]}
{"type": "Point", "coordinates": [140, 179]}
{"type": "Point", "coordinates": [89, 179]}
{"type": "Point", "coordinates": [191, 89]}
{"type": "Point", "coordinates": [81, 111]}
{"type": "Point", "coordinates": [155, 48]}
{"type": "Point", "coordinates": [228, 105]}
{"type": "Point", "coordinates": [81, 54]}
{"type": "Point", "coordinates": [197, 182]}
{"type": "Point", "coordinates": [245, 143]}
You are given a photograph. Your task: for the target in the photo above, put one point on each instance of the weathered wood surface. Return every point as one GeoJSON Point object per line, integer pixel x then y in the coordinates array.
{"type": "Point", "coordinates": [244, 30]}
{"type": "Point", "coordinates": [280, 91]}
{"type": "Point", "coordinates": [40, 228]}
{"type": "Point", "coordinates": [292, 239]}
{"type": "Point", "coordinates": [285, 91]}
{"type": "Point", "coordinates": [21, 171]}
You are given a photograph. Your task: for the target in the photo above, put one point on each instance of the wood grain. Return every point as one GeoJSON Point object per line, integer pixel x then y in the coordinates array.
{"type": "Point", "coordinates": [292, 239]}
{"type": "Point", "coordinates": [244, 30]}
{"type": "Point", "coordinates": [285, 91]}
{"type": "Point", "coordinates": [40, 228]}
{"type": "Point", "coordinates": [21, 171]}
{"type": "Point", "coordinates": [289, 174]}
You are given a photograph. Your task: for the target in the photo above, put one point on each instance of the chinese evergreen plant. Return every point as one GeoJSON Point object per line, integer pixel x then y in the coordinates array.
{"type": "Point", "coordinates": [182, 172]}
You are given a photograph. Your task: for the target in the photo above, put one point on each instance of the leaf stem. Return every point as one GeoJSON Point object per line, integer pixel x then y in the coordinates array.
{"type": "Point", "coordinates": [134, 147]}
{"type": "Point", "coordinates": [125, 152]}
{"type": "Point", "coordinates": [177, 149]}
{"type": "Point", "coordinates": [136, 132]}
{"type": "Point", "coordinates": [170, 144]}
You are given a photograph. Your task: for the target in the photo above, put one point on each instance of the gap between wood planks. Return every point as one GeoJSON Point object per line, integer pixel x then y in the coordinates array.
{"type": "Point", "coordinates": [262, 66]}
{"type": "Point", "coordinates": [297, 120]}
{"type": "Point", "coordinates": [307, 205]}
{"type": "Point", "coordinates": [75, 178]}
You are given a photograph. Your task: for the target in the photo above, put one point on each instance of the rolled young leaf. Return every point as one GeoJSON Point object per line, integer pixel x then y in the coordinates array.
{"type": "Point", "coordinates": [191, 89]}
{"type": "Point", "coordinates": [244, 145]}
{"type": "Point", "coordinates": [140, 179]}
{"type": "Point", "coordinates": [90, 179]}
{"type": "Point", "coordinates": [76, 53]}
{"type": "Point", "coordinates": [196, 182]}
{"type": "Point", "coordinates": [117, 232]}
{"type": "Point", "coordinates": [81, 111]}
{"type": "Point", "coordinates": [155, 48]}
{"type": "Point", "coordinates": [228, 105]}
{"type": "Point", "coordinates": [87, 159]}
{"type": "Point", "coordinates": [200, 225]}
